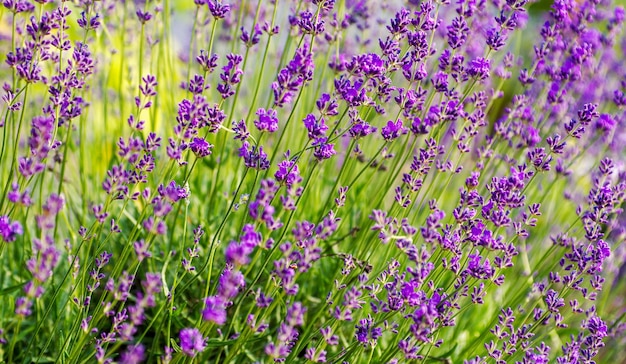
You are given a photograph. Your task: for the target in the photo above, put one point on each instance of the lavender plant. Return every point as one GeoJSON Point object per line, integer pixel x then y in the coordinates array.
{"type": "Point", "coordinates": [312, 181]}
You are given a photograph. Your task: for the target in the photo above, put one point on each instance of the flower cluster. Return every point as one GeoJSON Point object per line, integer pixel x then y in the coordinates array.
{"type": "Point", "coordinates": [313, 181]}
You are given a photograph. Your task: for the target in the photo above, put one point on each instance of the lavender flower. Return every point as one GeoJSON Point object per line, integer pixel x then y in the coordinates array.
{"type": "Point", "coordinates": [230, 76]}
{"type": "Point", "coordinates": [191, 341]}
{"type": "Point", "coordinates": [9, 230]}
{"type": "Point", "coordinates": [253, 157]}
{"type": "Point", "coordinates": [217, 8]}
{"type": "Point", "coordinates": [290, 79]}
{"type": "Point", "coordinates": [437, 170]}
{"type": "Point", "coordinates": [215, 310]}
{"type": "Point", "coordinates": [200, 147]}
{"type": "Point", "coordinates": [392, 130]}
{"type": "Point", "coordinates": [267, 120]}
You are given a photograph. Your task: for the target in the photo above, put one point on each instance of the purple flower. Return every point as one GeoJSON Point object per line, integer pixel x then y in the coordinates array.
{"type": "Point", "coordinates": [9, 230]}
{"type": "Point", "coordinates": [327, 105]}
{"type": "Point", "coordinates": [241, 130]}
{"type": "Point", "coordinates": [353, 93]}
{"type": "Point", "coordinates": [310, 354]}
{"type": "Point", "coordinates": [315, 127]}
{"type": "Point", "coordinates": [605, 123]}
{"type": "Point", "coordinates": [141, 250]}
{"type": "Point", "coordinates": [262, 300]}
{"type": "Point", "coordinates": [197, 85]}
{"type": "Point", "coordinates": [596, 327]}
{"type": "Point", "coordinates": [309, 24]}
{"type": "Point", "coordinates": [200, 147]}
{"type": "Point", "coordinates": [366, 333]}
{"type": "Point", "coordinates": [440, 81]}
{"type": "Point", "coordinates": [217, 9]}
{"type": "Point", "coordinates": [288, 172]}
{"type": "Point", "coordinates": [143, 17]}
{"type": "Point", "coordinates": [51, 208]}
{"type": "Point", "coordinates": [479, 270]}
{"type": "Point", "coordinates": [253, 157]}
{"type": "Point", "coordinates": [323, 150]}
{"type": "Point", "coordinates": [206, 61]}
{"type": "Point", "coordinates": [295, 314]}
{"type": "Point", "coordinates": [91, 23]}
{"type": "Point", "coordinates": [361, 129]}
{"type": "Point", "coordinates": [496, 39]}
{"type": "Point", "coordinates": [191, 341]}
{"type": "Point", "coordinates": [290, 79]}
{"type": "Point", "coordinates": [251, 39]}
{"type": "Point", "coordinates": [392, 130]}
{"type": "Point", "coordinates": [261, 208]}
{"type": "Point", "coordinates": [230, 76]}
{"type": "Point", "coordinates": [238, 254]}
{"type": "Point", "coordinates": [457, 32]}
{"type": "Point", "coordinates": [576, 127]}
{"type": "Point", "coordinates": [553, 301]}
{"type": "Point", "coordinates": [134, 354]}
{"type": "Point", "coordinates": [173, 192]}
{"type": "Point", "coordinates": [369, 65]}
{"type": "Point", "coordinates": [215, 310]}
{"type": "Point", "coordinates": [18, 6]}
{"type": "Point", "coordinates": [267, 120]}
{"type": "Point", "coordinates": [479, 68]}
{"type": "Point", "coordinates": [230, 283]}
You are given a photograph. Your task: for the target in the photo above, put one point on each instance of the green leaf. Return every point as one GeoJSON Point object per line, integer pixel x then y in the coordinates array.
{"type": "Point", "coordinates": [8, 290]}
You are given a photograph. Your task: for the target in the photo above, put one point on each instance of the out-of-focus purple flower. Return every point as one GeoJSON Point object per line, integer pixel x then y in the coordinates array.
{"type": "Point", "coordinates": [9, 230]}
{"type": "Point", "coordinates": [141, 250]}
{"type": "Point", "coordinates": [51, 208]}
{"type": "Point", "coordinates": [251, 39]}
{"type": "Point", "coordinates": [237, 253]}
{"type": "Point", "coordinates": [143, 16]}
{"type": "Point", "coordinates": [605, 123]}
{"type": "Point", "coordinates": [215, 310]}
{"type": "Point", "coordinates": [191, 341]}
{"type": "Point", "coordinates": [261, 208]}
{"type": "Point", "coordinates": [18, 6]}
{"type": "Point", "coordinates": [230, 283]}
{"type": "Point", "coordinates": [134, 354]}
{"type": "Point", "coordinates": [155, 227]}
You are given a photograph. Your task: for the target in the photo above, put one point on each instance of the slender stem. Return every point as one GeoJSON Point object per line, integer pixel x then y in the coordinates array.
{"type": "Point", "coordinates": [16, 335]}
